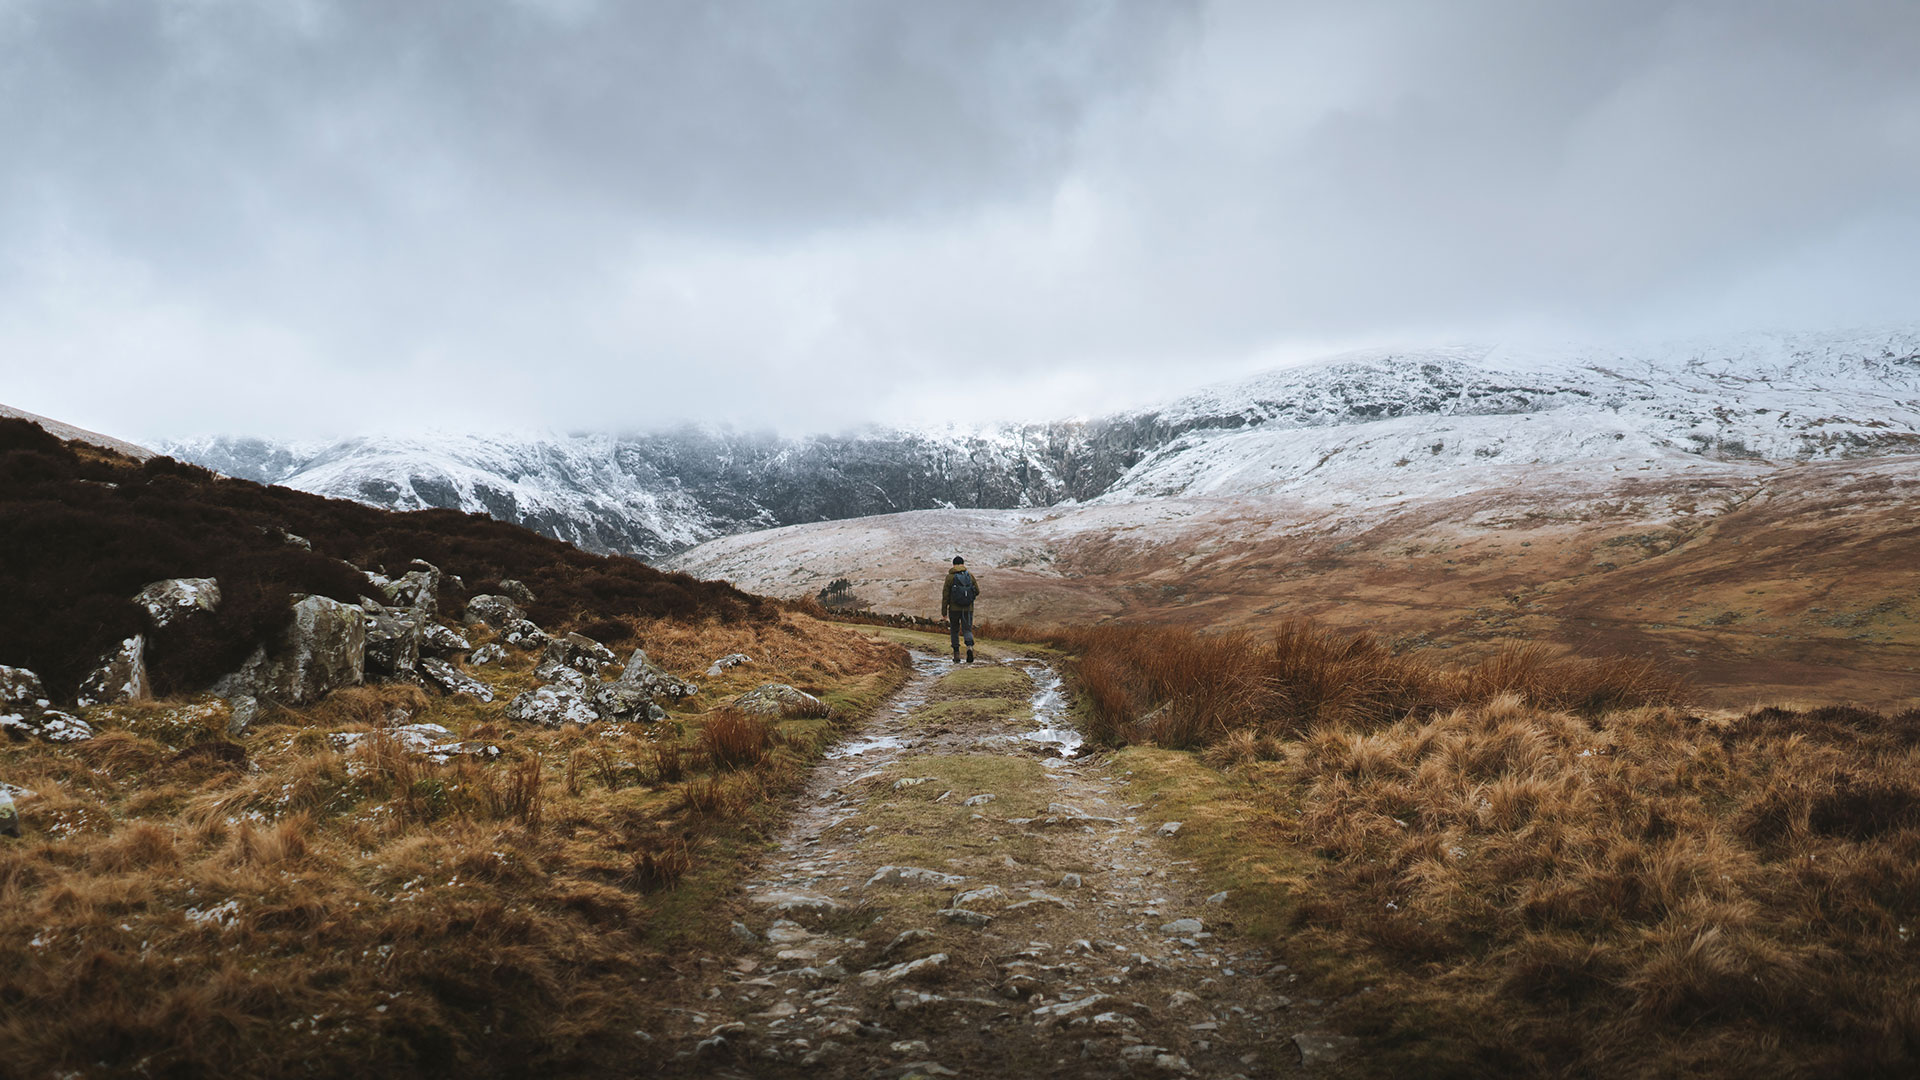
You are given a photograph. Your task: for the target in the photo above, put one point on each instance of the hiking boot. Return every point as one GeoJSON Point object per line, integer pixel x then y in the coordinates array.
{"type": "Point", "coordinates": [969, 656]}
{"type": "Point", "coordinates": [956, 655]}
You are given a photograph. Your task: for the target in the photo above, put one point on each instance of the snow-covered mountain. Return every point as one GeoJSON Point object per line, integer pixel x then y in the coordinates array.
{"type": "Point", "coordinates": [1370, 426]}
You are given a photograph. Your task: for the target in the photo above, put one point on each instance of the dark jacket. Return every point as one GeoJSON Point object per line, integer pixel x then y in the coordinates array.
{"type": "Point", "coordinates": [946, 591]}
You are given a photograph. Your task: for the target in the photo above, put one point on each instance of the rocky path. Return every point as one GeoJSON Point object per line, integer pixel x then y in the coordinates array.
{"type": "Point", "coordinates": [961, 894]}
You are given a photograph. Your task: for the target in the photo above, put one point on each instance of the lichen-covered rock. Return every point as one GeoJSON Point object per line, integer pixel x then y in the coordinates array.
{"type": "Point", "coordinates": [120, 676]}
{"type": "Point", "coordinates": [641, 672]}
{"type": "Point", "coordinates": [552, 706]}
{"type": "Point", "coordinates": [452, 680]}
{"type": "Point", "coordinates": [20, 687]}
{"type": "Point", "coordinates": [25, 711]}
{"type": "Point", "coordinates": [487, 654]}
{"type": "Point", "coordinates": [243, 710]}
{"type": "Point", "coordinates": [323, 649]}
{"type": "Point", "coordinates": [170, 600]}
{"type": "Point", "coordinates": [418, 588]}
{"type": "Point", "coordinates": [779, 699]}
{"type": "Point", "coordinates": [730, 660]}
{"type": "Point", "coordinates": [56, 726]}
{"type": "Point", "coordinates": [394, 636]}
{"type": "Point", "coordinates": [9, 817]}
{"type": "Point", "coordinates": [523, 634]}
{"type": "Point", "coordinates": [516, 591]}
{"type": "Point", "coordinates": [438, 639]}
{"type": "Point", "coordinates": [495, 611]}
{"type": "Point", "coordinates": [621, 700]}
{"type": "Point", "coordinates": [554, 673]}
{"type": "Point", "coordinates": [580, 652]}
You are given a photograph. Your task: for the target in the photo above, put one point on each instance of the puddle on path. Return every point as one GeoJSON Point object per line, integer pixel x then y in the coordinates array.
{"type": "Point", "coordinates": [1049, 706]}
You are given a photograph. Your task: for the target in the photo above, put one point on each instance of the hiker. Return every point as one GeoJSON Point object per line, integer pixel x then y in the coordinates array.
{"type": "Point", "coordinates": [956, 605]}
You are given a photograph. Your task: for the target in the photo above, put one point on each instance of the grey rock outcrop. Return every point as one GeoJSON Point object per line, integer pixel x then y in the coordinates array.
{"type": "Point", "coordinates": [779, 699]}
{"type": "Point", "coordinates": [120, 676]}
{"type": "Point", "coordinates": [522, 633]}
{"type": "Point", "coordinates": [452, 680]}
{"type": "Point", "coordinates": [10, 818]}
{"type": "Point", "coordinates": [26, 712]}
{"type": "Point", "coordinates": [323, 649]}
{"type": "Point", "coordinates": [175, 598]}
{"type": "Point", "coordinates": [443, 641]}
{"type": "Point", "coordinates": [487, 654]}
{"type": "Point", "coordinates": [641, 672]}
{"type": "Point", "coordinates": [552, 706]}
{"type": "Point", "coordinates": [730, 660]}
{"type": "Point", "coordinates": [495, 611]}
{"type": "Point", "coordinates": [554, 673]}
{"type": "Point", "coordinates": [418, 588]}
{"type": "Point", "coordinates": [517, 591]}
{"type": "Point", "coordinates": [579, 652]}
{"type": "Point", "coordinates": [394, 637]}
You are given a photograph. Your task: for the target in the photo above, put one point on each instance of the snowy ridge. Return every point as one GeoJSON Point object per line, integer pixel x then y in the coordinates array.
{"type": "Point", "coordinates": [1379, 425]}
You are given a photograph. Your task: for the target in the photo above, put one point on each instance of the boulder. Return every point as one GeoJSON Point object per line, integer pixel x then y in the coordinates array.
{"type": "Point", "coordinates": [641, 672]}
{"type": "Point", "coordinates": [487, 654]}
{"type": "Point", "coordinates": [120, 676]}
{"type": "Point", "coordinates": [728, 661]}
{"type": "Point", "coordinates": [438, 639]}
{"type": "Point", "coordinates": [323, 649]}
{"type": "Point", "coordinates": [779, 699]}
{"type": "Point", "coordinates": [174, 598]}
{"type": "Point", "coordinates": [418, 588]}
{"type": "Point", "coordinates": [20, 687]}
{"type": "Point", "coordinates": [522, 633]}
{"type": "Point", "coordinates": [245, 709]}
{"type": "Point", "coordinates": [554, 673]}
{"type": "Point", "coordinates": [516, 591]}
{"type": "Point", "coordinates": [394, 636]}
{"type": "Point", "coordinates": [580, 652]}
{"type": "Point", "coordinates": [25, 711]}
{"type": "Point", "coordinates": [452, 680]}
{"type": "Point", "coordinates": [624, 700]}
{"type": "Point", "coordinates": [552, 706]}
{"type": "Point", "coordinates": [56, 726]}
{"type": "Point", "coordinates": [10, 818]}
{"type": "Point", "coordinates": [495, 611]}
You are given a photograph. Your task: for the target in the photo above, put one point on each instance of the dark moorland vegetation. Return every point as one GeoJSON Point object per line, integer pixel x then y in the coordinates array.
{"type": "Point", "coordinates": [83, 529]}
{"type": "Point", "coordinates": [1540, 866]}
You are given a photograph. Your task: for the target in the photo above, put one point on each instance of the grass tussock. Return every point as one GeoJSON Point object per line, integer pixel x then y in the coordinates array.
{"type": "Point", "coordinates": [284, 907]}
{"type": "Point", "coordinates": [734, 740]}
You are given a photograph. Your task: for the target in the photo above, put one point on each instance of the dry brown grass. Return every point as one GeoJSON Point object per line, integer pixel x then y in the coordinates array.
{"type": "Point", "coordinates": [1180, 688]}
{"type": "Point", "coordinates": [278, 907]}
{"type": "Point", "coordinates": [734, 740]}
{"type": "Point", "coordinates": [1548, 865]}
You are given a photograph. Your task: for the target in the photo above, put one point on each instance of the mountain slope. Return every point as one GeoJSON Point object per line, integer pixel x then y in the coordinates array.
{"type": "Point", "coordinates": [1371, 426]}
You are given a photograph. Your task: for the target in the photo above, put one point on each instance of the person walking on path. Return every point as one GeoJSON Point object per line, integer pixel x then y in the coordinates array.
{"type": "Point", "coordinates": [956, 605]}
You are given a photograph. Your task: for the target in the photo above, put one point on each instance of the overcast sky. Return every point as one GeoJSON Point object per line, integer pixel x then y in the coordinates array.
{"type": "Point", "coordinates": [311, 217]}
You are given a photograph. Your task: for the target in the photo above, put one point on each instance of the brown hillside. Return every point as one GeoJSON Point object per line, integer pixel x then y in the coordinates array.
{"type": "Point", "coordinates": [1799, 583]}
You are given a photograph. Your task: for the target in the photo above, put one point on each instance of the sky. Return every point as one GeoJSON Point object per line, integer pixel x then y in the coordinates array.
{"type": "Point", "coordinates": [309, 218]}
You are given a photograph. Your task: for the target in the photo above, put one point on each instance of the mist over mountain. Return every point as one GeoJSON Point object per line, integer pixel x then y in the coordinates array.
{"type": "Point", "coordinates": [1383, 424]}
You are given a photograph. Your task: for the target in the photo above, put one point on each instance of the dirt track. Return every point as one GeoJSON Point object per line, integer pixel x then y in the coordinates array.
{"type": "Point", "coordinates": [956, 897]}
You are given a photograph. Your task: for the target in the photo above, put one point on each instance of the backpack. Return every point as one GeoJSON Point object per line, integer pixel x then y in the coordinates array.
{"type": "Point", "coordinates": [964, 590]}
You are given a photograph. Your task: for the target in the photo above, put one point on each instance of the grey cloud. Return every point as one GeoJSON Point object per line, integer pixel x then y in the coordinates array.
{"type": "Point", "coordinates": [344, 213]}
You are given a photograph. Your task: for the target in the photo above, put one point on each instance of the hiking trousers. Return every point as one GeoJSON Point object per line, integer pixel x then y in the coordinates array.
{"type": "Point", "coordinates": [960, 622]}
